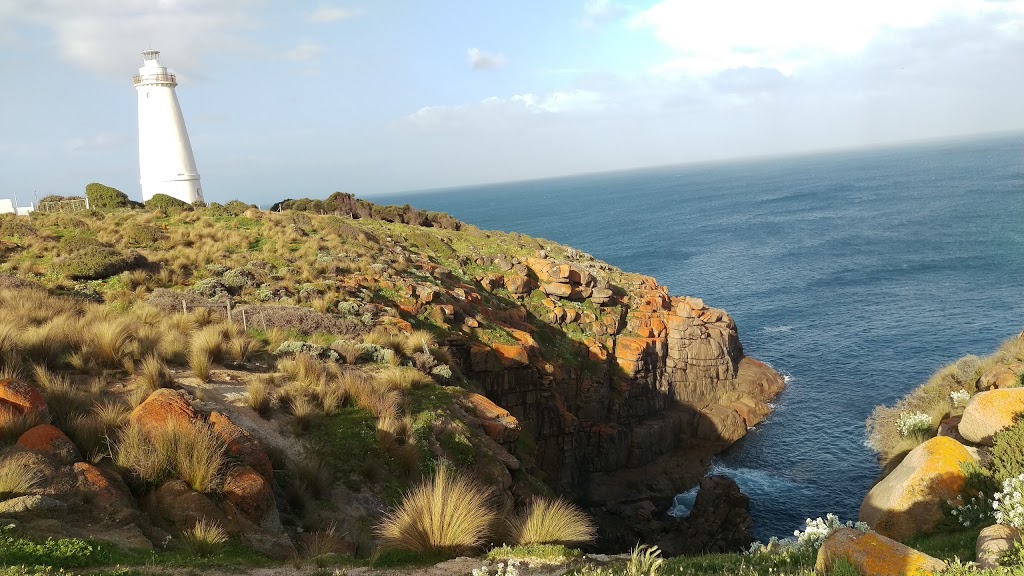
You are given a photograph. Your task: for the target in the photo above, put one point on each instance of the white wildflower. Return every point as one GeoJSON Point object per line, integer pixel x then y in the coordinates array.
{"type": "Point", "coordinates": [914, 422]}
{"type": "Point", "coordinates": [960, 398]}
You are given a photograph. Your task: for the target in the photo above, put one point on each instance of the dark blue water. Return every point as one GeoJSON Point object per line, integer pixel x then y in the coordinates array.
{"type": "Point", "coordinates": [856, 274]}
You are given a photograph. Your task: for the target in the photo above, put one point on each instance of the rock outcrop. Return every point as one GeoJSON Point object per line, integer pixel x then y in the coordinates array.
{"type": "Point", "coordinates": [875, 555]}
{"type": "Point", "coordinates": [659, 376]}
{"type": "Point", "coordinates": [909, 500]}
{"type": "Point", "coordinates": [994, 542]}
{"type": "Point", "coordinates": [989, 412]}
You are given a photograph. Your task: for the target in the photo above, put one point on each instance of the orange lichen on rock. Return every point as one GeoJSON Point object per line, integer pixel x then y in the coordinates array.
{"type": "Point", "coordinates": [909, 500]}
{"type": "Point", "coordinates": [511, 355]}
{"type": "Point", "coordinates": [249, 492]}
{"type": "Point", "coordinates": [104, 488]}
{"type": "Point", "coordinates": [163, 407]}
{"type": "Point", "coordinates": [21, 398]}
{"type": "Point", "coordinates": [874, 554]}
{"type": "Point", "coordinates": [242, 445]}
{"type": "Point", "coordinates": [49, 439]}
{"type": "Point", "coordinates": [497, 422]}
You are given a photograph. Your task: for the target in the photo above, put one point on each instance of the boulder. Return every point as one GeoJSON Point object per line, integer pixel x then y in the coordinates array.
{"type": "Point", "coordinates": [872, 554]}
{"type": "Point", "coordinates": [49, 439]}
{"type": "Point", "coordinates": [989, 412]}
{"type": "Point", "coordinates": [1000, 377]}
{"type": "Point", "coordinates": [909, 500]}
{"type": "Point", "coordinates": [993, 542]}
{"type": "Point", "coordinates": [163, 407]}
{"type": "Point", "coordinates": [104, 488]}
{"type": "Point", "coordinates": [511, 355]}
{"type": "Point", "coordinates": [951, 427]}
{"type": "Point", "coordinates": [601, 296]}
{"type": "Point", "coordinates": [556, 289]}
{"type": "Point", "coordinates": [177, 506]}
{"type": "Point", "coordinates": [518, 284]}
{"type": "Point", "coordinates": [498, 423]}
{"type": "Point", "coordinates": [32, 504]}
{"type": "Point", "coordinates": [21, 398]}
{"type": "Point", "coordinates": [718, 523]}
{"type": "Point", "coordinates": [242, 445]}
{"type": "Point", "coordinates": [250, 493]}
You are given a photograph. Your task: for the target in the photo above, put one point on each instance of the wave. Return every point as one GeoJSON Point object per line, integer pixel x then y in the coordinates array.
{"type": "Point", "coordinates": [774, 329]}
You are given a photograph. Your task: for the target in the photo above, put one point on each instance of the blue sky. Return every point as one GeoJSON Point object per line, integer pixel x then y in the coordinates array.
{"type": "Point", "coordinates": [302, 98]}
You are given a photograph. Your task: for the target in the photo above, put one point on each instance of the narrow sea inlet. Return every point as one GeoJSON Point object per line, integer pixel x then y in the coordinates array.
{"type": "Point", "coordinates": [856, 274]}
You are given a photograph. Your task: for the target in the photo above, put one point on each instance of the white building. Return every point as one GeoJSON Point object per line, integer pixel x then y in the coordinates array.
{"type": "Point", "coordinates": [166, 163]}
{"type": "Point", "coordinates": [8, 206]}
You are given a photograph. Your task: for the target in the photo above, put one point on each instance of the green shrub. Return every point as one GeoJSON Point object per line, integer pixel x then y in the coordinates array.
{"type": "Point", "coordinates": [167, 203]}
{"type": "Point", "coordinates": [106, 198]}
{"type": "Point", "coordinates": [1008, 452]}
{"type": "Point", "coordinates": [94, 263]}
{"type": "Point", "coordinates": [237, 207]}
{"type": "Point", "coordinates": [15, 226]}
{"type": "Point", "coordinates": [139, 234]}
{"type": "Point", "coordinates": [76, 240]}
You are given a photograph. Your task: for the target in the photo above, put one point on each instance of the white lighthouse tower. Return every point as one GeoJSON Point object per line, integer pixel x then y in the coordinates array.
{"type": "Point", "coordinates": [166, 163]}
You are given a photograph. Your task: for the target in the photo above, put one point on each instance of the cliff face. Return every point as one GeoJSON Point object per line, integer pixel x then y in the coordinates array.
{"type": "Point", "coordinates": [665, 386]}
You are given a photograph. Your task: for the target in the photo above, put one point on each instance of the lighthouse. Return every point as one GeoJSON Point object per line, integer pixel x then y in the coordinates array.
{"type": "Point", "coordinates": [166, 163]}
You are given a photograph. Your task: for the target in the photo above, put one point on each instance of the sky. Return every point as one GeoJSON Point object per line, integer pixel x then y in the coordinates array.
{"type": "Point", "coordinates": [287, 99]}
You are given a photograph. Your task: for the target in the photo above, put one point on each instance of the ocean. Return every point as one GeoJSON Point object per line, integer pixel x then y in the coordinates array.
{"type": "Point", "coordinates": [856, 274]}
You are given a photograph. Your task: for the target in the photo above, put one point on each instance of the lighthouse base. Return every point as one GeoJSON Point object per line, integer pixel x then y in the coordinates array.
{"type": "Point", "coordinates": [184, 189]}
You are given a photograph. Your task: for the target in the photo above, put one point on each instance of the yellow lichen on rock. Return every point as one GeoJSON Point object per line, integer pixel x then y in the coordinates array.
{"type": "Point", "coordinates": [909, 500]}
{"type": "Point", "coordinates": [872, 554]}
{"type": "Point", "coordinates": [989, 412]}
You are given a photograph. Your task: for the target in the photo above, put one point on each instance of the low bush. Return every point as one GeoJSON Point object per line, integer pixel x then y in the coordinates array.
{"type": "Point", "coordinates": [102, 197]}
{"type": "Point", "coordinates": [94, 263]}
{"type": "Point", "coordinates": [1008, 452]}
{"type": "Point", "coordinates": [552, 522]}
{"type": "Point", "coordinates": [447, 513]}
{"type": "Point", "coordinates": [141, 235]}
{"type": "Point", "coordinates": [167, 204]}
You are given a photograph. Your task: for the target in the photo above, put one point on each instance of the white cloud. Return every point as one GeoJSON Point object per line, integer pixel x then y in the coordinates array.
{"type": "Point", "coordinates": [107, 35]}
{"type": "Point", "coordinates": [501, 110]}
{"type": "Point", "coordinates": [102, 141]}
{"type": "Point", "coordinates": [306, 50]}
{"type": "Point", "coordinates": [325, 13]}
{"type": "Point", "coordinates": [480, 60]}
{"type": "Point", "coordinates": [791, 35]}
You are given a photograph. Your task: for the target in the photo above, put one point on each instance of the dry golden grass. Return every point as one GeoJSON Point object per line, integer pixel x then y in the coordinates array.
{"type": "Point", "coordinates": [402, 378]}
{"type": "Point", "coordinates": [259, 395]}
{"type": "Point", "coordinates": [207, 538]}
{"type": "Point", "coordinates": [193, 453]}
{"type": "Point", "coordinates": [200, 364]}
{"type": "Point", "coordinates": [447, 513]}
{"type": "Point", "coordinates": [552, 522]}
{"type": "Point", "coordinates": [13, 425]}
{"type": "Point", "coordinates": [304, 411]}
{"type": "Point", "coordinates": [348, 350]}
{"type": "Point", "coordinates": [418, 341]}
{"type": "Point", "coordinates": [17, 477]}
{"type": "Point", "coordinates": [152, 374]}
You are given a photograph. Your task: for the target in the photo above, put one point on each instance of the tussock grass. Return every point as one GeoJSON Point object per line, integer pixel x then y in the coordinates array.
{"type": "Point", "coordinates": [321, 545]}
{"type": "Point", "coordinates": [402, 378]}
{"type": "Point", "coordinates": [304, 411]}
{"type": "Point", "coordinates": [200, 363]}
{"type": "Point", "coordinates": [259, 395]}
{"type": "Point", "coordinates": [17, 477]}
{"type": "Point", "coordinates": [447, 513]}
{"type": "Point", "coordinates": [13, 425]}
{"type": "Point", "coordinates": [207, 538]}
{"type": "Point", "coordinates": [110, 341]}
{"type": "Point", "coordinates": [348, 350]}
{"type": "Point", "coordinates": [418, 341]}
{"type": "Point", "coordinates": [152, 374]}
{"type": "Point", "coordinates": [192, 453]}
{"type": "Point", "coordinates": [552, 522]}
{"type": "Point", "coordinates": [87, 432]}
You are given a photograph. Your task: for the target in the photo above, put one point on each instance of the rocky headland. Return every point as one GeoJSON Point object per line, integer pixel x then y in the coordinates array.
{"type": "Point", "coordinates": [384, 340]}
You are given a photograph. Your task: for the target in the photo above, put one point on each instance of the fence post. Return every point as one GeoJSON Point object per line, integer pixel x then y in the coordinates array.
{"type": "Point", "coordinates": [184, 306]}
{"type": "Point", "coordinates": [264, 318]}
{"type": "Point", "coordinates": [229, 309]}
{"type": "Point", "coordinates": [245, 324]}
